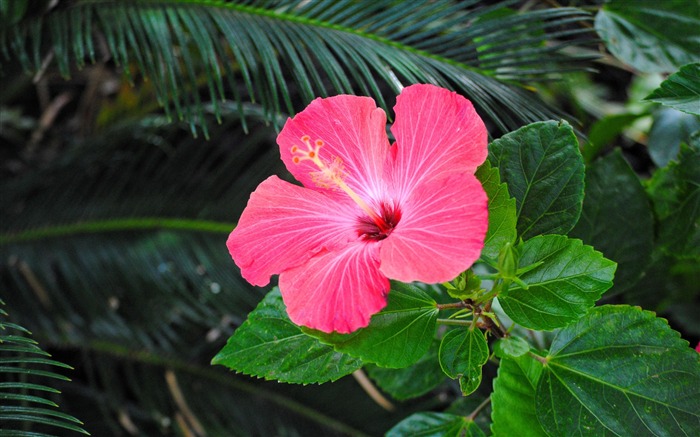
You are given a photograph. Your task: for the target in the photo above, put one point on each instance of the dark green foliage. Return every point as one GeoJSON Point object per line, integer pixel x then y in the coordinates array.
{"type": "Point", "coordinates": [267, 51]}
{"type": "Point", "coordinates": [27, 373]}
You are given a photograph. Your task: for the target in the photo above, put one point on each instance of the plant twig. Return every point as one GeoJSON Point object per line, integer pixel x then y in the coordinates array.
{"type": "Point", "coordinates": [478, 409]}
{"type": "Point", "coordinates": [452, 306]}
{"type": "Point", "coordinates": [371, 390]}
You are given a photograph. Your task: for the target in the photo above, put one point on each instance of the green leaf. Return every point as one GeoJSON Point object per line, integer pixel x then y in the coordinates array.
{"type": "Point", "coordinates": [513, 398]}
{"type": "Point", "coordinates": [435, 425]}
{"type": "Point", "coordinates": [670, 129]}
{"type": "Point", "coordinates": [511, 346]}
{"type": "Point", "coordinates": [463, 352]}
{"type": "Point", "coordinates": [268, 345]}
{"type": "Point", "coordinates": [681, 91]}
{"type": "Point", "coordinates": [675, 191]}
{"type": "Point", "coordinates": [412, 381]}
{"type": "Point", "coordinates": [544, 170]}
{"type": "Point", "coordinates": [620, 371]}
{"type": "Point", "coordinates": [604, 131]}
{"type": "Point", "coordinates": [502, 211]}
{"type": "Point", "coordinates": [397, 336]}
{"type": "Point", "coordinates": [651, 36]}
{"type": "Point", "coordinates": [563, 288]}
{"type": "Point", "coordinates": [617, 218]}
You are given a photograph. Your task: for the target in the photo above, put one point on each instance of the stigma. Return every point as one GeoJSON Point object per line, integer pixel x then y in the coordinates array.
{"type": "Point", "coordinates": [330, 174]}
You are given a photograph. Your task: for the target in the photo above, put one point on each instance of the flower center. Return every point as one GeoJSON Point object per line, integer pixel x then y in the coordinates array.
{"type": "Point", "coordinates": [331, 174]}
{"type": "Point", "coordinates": [370, 230]}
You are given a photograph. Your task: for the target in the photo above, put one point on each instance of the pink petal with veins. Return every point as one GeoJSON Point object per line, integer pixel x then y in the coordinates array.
{"type": "Point", "coordinates": [367, 212]}
{"type": "Point", "coordinates": [441, 232]}
{"type": "Point", "coordinates": [437, 132]}
{"type": "Point", "coordinates": [285, 225]}
{"type": "Point", "coordinates": [352, 129]}
{"type": "Point", "coordinates": [336, 291]}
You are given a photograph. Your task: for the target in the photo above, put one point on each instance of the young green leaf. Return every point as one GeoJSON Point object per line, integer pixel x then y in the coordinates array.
{"type": "Point", "coordinates": [543, 168]}
{"type": "Point", "coordinates": [510, 346]}
{"type": "Point", "coordinates": [658, 36]}
{"type": "Point", "coordinates": [436, 424]}
{"type": "Point", "coordinates": [268, 345]}
{"type": "Point", "coordinates": [397, 336]}
{"type": "Point", "coordinates": [502, 211]}
{"type": "Point", "coordinates": [620, 371]}
{"type": "Point", "coordinates": [513, 398]}
{"type": "Point", "coordinates": [617, 218]}
{"type": "Point", "coordinates": [567, 283]}
{"type": "Point", "coordinates": [463, 352]}
{"type": "Point", "coordinates": [412, 381]}
{"type": "Point", "coordinates": [681, 90]}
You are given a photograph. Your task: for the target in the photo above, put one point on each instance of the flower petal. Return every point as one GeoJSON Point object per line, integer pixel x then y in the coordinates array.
{"type": "Point", "coordinates": [441, 232]}
{"type": "Point", "coordinates": [353, 129]}
{"type": "Point", "coordinates": [284, 225]}
{"type": "Point", "coordinates": [437, 132]}
{"type": "Point", "coordinates": [337, 290]}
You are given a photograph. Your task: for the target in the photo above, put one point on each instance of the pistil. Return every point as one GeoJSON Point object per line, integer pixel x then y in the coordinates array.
{"type": "Point", "coordinates": [332, 174]}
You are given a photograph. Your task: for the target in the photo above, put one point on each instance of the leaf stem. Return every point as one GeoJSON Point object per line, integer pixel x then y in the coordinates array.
{"type": "Point", "coordinates": [454, 322]}
{"type": "Point", "coordinates": [542, 360]}
{"type": "Point", "coordinates": [454, 305]}
{"type": "Point", "coordinates": [479, 408]}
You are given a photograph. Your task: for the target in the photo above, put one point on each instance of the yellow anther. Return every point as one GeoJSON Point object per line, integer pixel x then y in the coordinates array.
{"type": "Point", "coordinates": [330, 174]}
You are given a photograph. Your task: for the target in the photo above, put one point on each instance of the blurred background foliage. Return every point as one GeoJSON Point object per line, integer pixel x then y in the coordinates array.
{"type": "Point", "coordinates": [134, 131]}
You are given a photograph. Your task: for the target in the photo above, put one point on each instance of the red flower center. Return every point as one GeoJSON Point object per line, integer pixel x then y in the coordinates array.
{"type": "Point", "coordinates": [370, 229]}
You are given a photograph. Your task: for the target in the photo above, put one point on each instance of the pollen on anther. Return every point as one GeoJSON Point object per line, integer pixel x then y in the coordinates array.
{"type": "Point", "coordinates": [296, 160]}
{"type": "Point", "coordinates": [319, 143]}
{"type": "Point", "coordinates": [294, 149]}
{"type": "Point", "coordinates": [312, 154]}
{"type": "Point", "coordinates": [305, 138]}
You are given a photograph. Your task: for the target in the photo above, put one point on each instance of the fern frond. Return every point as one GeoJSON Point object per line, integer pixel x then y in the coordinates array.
{"type": "Point", "coordinates": [269, 52]}
{"type": "Point", "coordinates": [22, 360]}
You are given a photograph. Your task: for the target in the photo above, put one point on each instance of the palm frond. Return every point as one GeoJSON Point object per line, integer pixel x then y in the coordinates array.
{"type": "Point", "coordinates": [27, 408]}
{"type": "Point", "coordinates": [271, 51]}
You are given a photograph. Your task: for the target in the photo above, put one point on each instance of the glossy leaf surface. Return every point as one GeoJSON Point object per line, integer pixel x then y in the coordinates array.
{"type": "Point", "coordinates": [268, 345]}
{"type": "Point", "coordinates": [609, 375]}
{"type": "Point", "coordinates": [563, 288]}
{"type": "Point", "coordinates": [617, 218]}
{"type": "Point", "coordinates": [513, 398]}
{"type": "Point", "coordinates": [436, 425]}
{"type": "Point", "coordinates": [502, 211]}
{"type": "Point", "coordinates": [681, 90]}
{"type": "Point", "coordinates": [397, 336]}
{"type": "Point", "coordinates": [651, 36]}
{"type": "Point", "coordinates": [543, 168]}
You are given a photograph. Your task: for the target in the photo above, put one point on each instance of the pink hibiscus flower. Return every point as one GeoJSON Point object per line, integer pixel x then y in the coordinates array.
{"type": "Point", "coordinates": [368, 211]}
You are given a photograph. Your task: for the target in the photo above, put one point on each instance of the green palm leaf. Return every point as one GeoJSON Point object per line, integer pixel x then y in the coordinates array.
{"type": "Point", "coordinates": [270, 51]}
{"type": "Point", "coordinates": [27, 408]}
